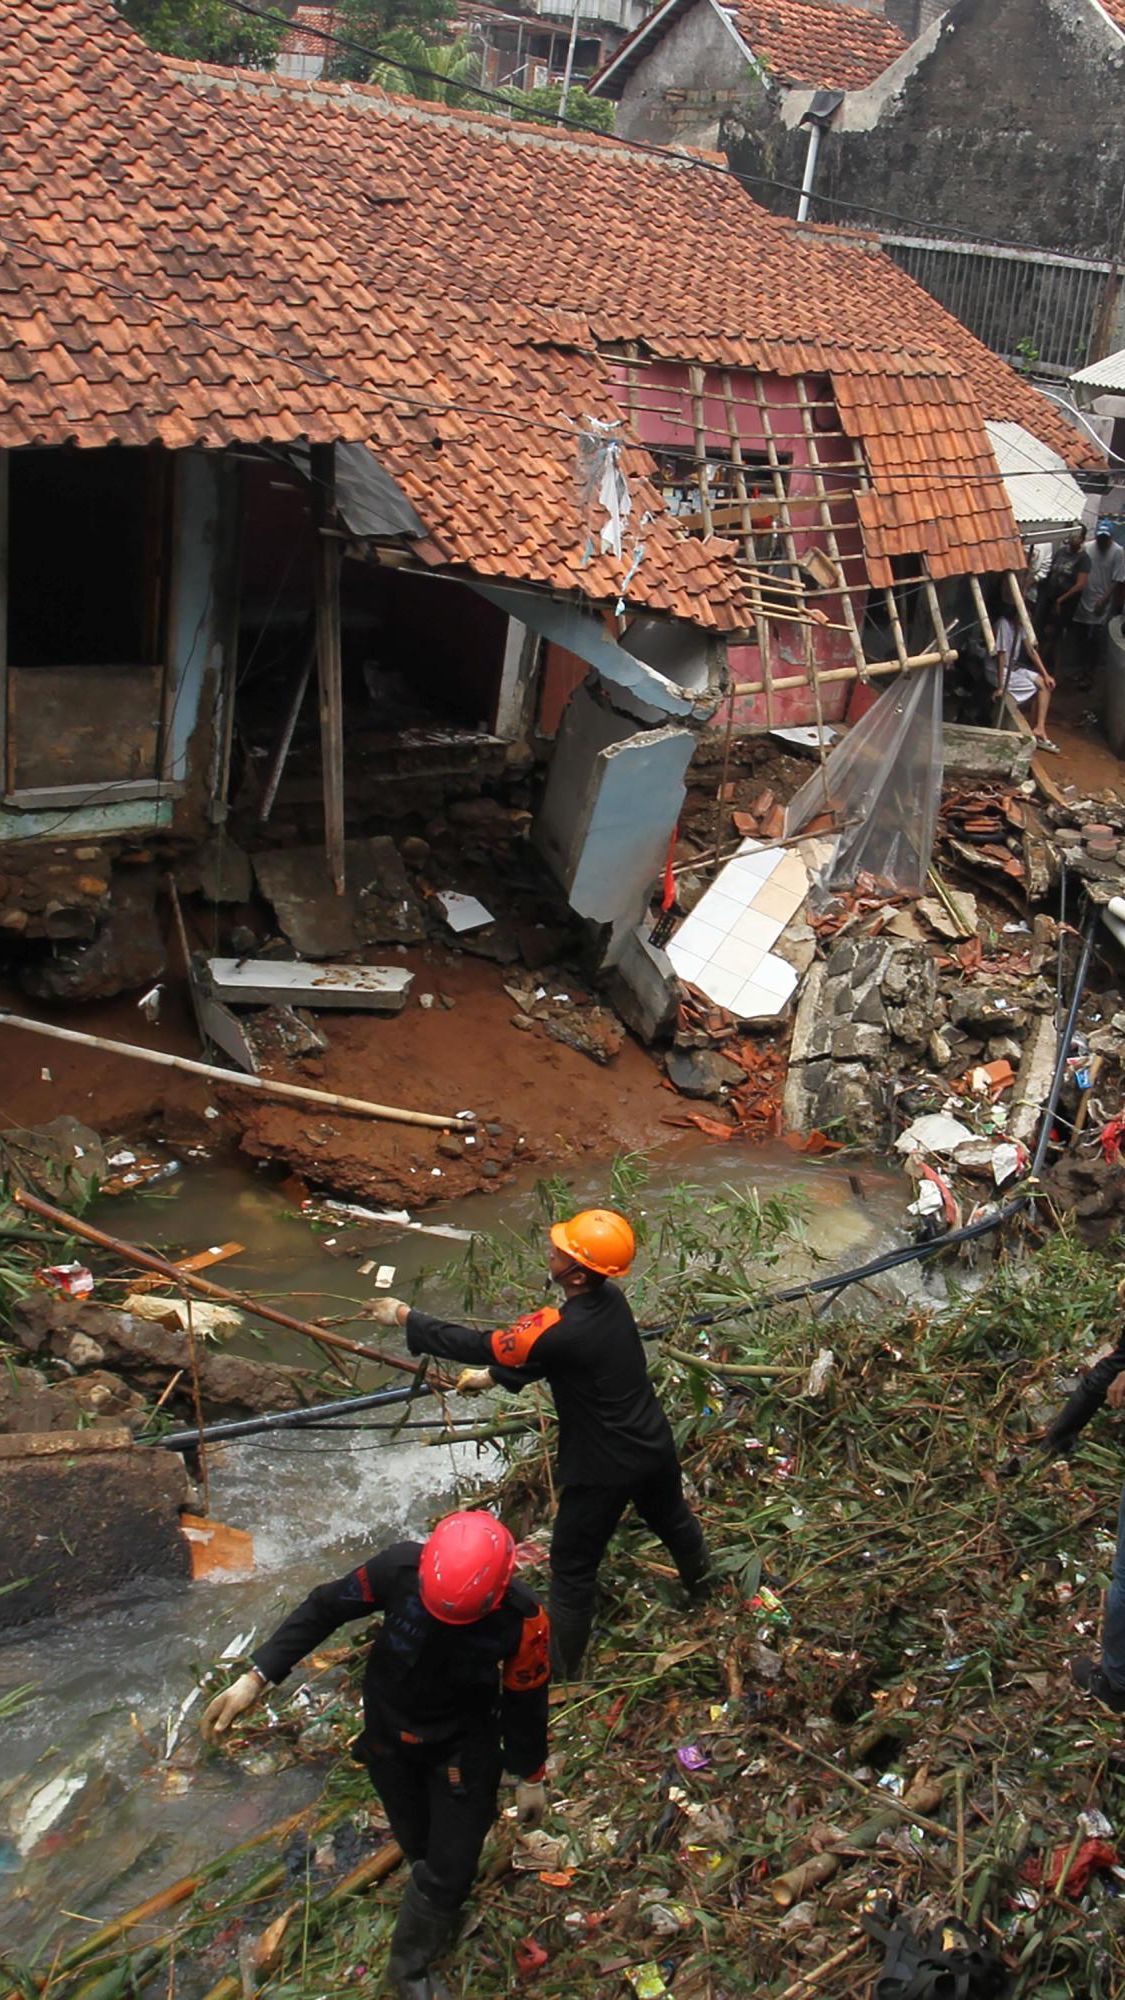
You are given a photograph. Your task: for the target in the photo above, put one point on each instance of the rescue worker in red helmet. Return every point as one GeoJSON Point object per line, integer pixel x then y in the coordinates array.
{"type": "Point", "coordinates": [615, 1442]}
{"type": "Point", "coordinates": [455, 1692]}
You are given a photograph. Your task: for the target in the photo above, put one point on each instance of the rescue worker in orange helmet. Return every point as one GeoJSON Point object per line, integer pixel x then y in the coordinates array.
{"type": "Point", "coordinates": [455, 1689]}
{"type": "Point", "coordinates": [615, 1443]}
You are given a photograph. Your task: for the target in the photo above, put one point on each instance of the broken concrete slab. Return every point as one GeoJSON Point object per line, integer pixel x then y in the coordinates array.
{"type": "Point", "coordinates": [612, 799]}
{"type": "Point", "coordinates": [379, 905]}
{"type": "Point", "coordinates": [971, 752]}
{"type": "Point", "coordinates": [725, 946]}
{"type": "Point", "coordinates": [702, 1072]}
{"type": "Point", "coordinates": [643, 989]}
{"type": "Point", "coordinates": [122, 1500]}
{"type": "Point", "coordinates": [265, 982]}
{"type": "Point", "coordinates": [219, 871]}
{"type": "Point", "coordinates": [1033, 1080]}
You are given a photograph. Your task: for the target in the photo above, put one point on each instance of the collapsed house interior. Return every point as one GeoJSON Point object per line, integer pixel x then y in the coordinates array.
{"type": "Point", "coordinates": [497, 544]}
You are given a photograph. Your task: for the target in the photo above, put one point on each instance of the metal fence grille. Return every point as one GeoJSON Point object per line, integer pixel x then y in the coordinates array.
{"type": "Point", "coordinates": [1034, 308]}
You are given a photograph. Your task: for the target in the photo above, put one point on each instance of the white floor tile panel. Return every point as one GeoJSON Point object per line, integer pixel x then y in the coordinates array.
{"type": "Point", "coordinates": [724, 946]}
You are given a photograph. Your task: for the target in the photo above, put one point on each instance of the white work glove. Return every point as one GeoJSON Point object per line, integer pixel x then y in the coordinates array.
{"type": "Point", "coordinates": [228, 1706]}
{"type": "Point", "coordinates": [471, 1381]}
{"type": "Point", "coordinates": [387, 1312]}
{"type": "Point", "coordinates": [531, 1803]}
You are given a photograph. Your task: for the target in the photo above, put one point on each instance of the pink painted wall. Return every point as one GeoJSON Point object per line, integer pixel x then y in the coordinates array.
{"type": "Point", "coordinates": [661, 409]}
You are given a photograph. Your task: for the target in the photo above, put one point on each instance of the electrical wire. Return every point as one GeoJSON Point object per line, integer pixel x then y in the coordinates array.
{"type": "Point", "coordinates": [926, 470]}
{"type": "Point", "coordinates": [888, 1260]}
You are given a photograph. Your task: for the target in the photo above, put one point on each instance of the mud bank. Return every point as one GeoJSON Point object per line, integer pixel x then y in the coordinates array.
{"type": "Point", "coordinates": [535, 1098]}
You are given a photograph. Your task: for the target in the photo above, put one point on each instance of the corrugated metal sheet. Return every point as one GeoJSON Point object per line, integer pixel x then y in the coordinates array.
{"type": "Point", "coordinates": [1107, 374]}
{"type": "Point", "coordinates": [1042, 492]}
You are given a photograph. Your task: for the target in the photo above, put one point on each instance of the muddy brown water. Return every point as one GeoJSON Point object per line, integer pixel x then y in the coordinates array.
{"type": "Point", "coordinates": [94, 1815]}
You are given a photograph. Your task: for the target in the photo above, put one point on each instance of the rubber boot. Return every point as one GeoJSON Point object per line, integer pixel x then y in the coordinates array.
{"type": "Point", "coordinates": [421, 1932]}
{"type": "Point", "coordinates": [570, 1630]}
{"type": "Point", "coordinates": [696, 1577]}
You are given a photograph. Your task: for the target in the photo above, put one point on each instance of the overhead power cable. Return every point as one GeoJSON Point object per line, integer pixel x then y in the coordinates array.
{"type": "Point", "coordinates": [929, 471]}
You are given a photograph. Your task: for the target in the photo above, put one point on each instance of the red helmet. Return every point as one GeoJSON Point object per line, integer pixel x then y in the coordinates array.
{"type": "Point", "coordinates": [466, 1567]}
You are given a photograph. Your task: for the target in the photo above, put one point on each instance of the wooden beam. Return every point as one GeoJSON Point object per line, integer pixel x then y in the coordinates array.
{"type": "Point", "coordinates": [326, 597]}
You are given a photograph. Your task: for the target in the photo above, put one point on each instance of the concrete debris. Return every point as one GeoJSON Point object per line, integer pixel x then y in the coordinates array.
{"type": "Point", "coordinates": [702, 1072]}
{"type": "Point", "coordinates": [570, 1018]}
{"type": "Point", "coordinates": [125, 952]}
{"type": "Point", "coordinates": [148, 1353]}
{"type": "Point", "coordinates": [250, 982]}
{"type": "Point", "coordinates": [379, 905]}
{"type": "Point", "coordinates": [219, 871]}
{"type": "Point", "coordinates": [127, 1499]}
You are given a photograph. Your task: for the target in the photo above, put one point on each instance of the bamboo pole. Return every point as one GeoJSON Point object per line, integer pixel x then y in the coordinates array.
{"type": "Point", "coordinates": [376, 1867]}
{"type": "Point", "coordinates": [326, 588]}
{"type": "Point", "coordinates": [896, 630]}
{"type": "Point", "coordinates": [940, 634]}
{"type": "Point", "coordinates": [699, 433]}
{"type": "Point", "coordinates": [817, 471]}
{"type": "Point", "coordinates": [761, 628]}
{"type": "Point", "coordinates": [1026, 626]}
{"type": "Point", "coordinates": [983, 619]}
{"type": "Point", "coordinates": [299, 1093]}
{"type": "Point", "coordinates": [147, 1260]}
{"type": "Point", "coordinates": [874, 668]}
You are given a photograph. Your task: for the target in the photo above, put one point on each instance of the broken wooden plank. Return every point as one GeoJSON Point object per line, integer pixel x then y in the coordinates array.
{"type": "Point", "coordinates": [264, 982]}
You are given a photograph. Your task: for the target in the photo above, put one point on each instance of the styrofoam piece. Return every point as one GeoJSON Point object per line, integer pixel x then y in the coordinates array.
{"type": "Point", "coordinates": [262, 982]}
{"type": "Point", "coordinates": [463, 913]}
{"type": "Point", "coordinates": [724, 946]}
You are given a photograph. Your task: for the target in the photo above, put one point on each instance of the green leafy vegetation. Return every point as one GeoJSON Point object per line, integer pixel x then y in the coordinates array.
{"type": "Point", "coordinates": [204, 31]}
{"type": "Point", "coordinates": [882, 1668]}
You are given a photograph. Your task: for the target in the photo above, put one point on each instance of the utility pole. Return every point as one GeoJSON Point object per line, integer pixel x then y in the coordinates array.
{"type": "Point", "coordinates": [569, 70]}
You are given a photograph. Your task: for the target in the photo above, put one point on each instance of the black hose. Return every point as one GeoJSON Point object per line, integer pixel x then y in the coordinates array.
{"type": "Point", "coordinates": [319, 1414]}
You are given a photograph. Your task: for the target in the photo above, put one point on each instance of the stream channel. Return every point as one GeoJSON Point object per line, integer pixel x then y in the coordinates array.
{"type": "Point", "coordinates": [95, 1814]}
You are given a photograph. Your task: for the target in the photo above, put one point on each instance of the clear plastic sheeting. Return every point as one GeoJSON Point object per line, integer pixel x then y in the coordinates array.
{"type": "Point", "coordinates": [882, 787]}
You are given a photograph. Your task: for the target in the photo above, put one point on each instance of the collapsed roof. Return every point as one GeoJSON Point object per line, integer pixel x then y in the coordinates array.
{"type": "Point", "coordinates": [194, 256]}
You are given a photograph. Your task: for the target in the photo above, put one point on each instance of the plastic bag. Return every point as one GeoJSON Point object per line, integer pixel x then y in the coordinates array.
{"type": "Point", "coordinates": [882, 785]}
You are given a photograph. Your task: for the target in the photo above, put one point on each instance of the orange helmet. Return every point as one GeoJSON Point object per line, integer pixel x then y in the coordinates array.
{"type": "Point", "coordinates": [599, 1239]}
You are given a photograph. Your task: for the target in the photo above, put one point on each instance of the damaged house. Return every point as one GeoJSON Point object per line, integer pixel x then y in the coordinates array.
{"type": "Point", "coordinates": [480, 444]}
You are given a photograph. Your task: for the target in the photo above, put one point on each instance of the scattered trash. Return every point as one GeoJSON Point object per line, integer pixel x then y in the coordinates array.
{"type": "Point", "coordinates": [463, 913]}
{"type": "Point", "coordinates": [646, 1980]}
{"type": "Point", "coordinates": [530, 1957]}
{"type": "Point", "coordinates": [820, 1374]}
{"type": "Point", "coordinates": [934, 1132]}
{"type": "Point", "coordinates": [73, 1281]}
{"type": "Point", "coordinates": [690, 1757]}
{"type": "Point", "coordinates": [149, 1003]}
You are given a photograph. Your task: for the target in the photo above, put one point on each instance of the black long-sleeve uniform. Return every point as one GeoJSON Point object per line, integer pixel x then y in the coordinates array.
{"type": "Point", "coordinates": [612, 1430]}
{"type": "Point", "coordinates": [428, 1682]}
{"type": "Point", "coordinates": [1085, 1401]}
{"type": "Point", "coordinates": [615, 1442]}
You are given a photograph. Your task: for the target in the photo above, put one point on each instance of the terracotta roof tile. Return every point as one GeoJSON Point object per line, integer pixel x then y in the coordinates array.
{"type": "Point", "coordinates": [200, 256]}
{"type": "Point", "coordinates": [1116, 11]}
{"type": "Point", "coordinates": [834, 46]}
